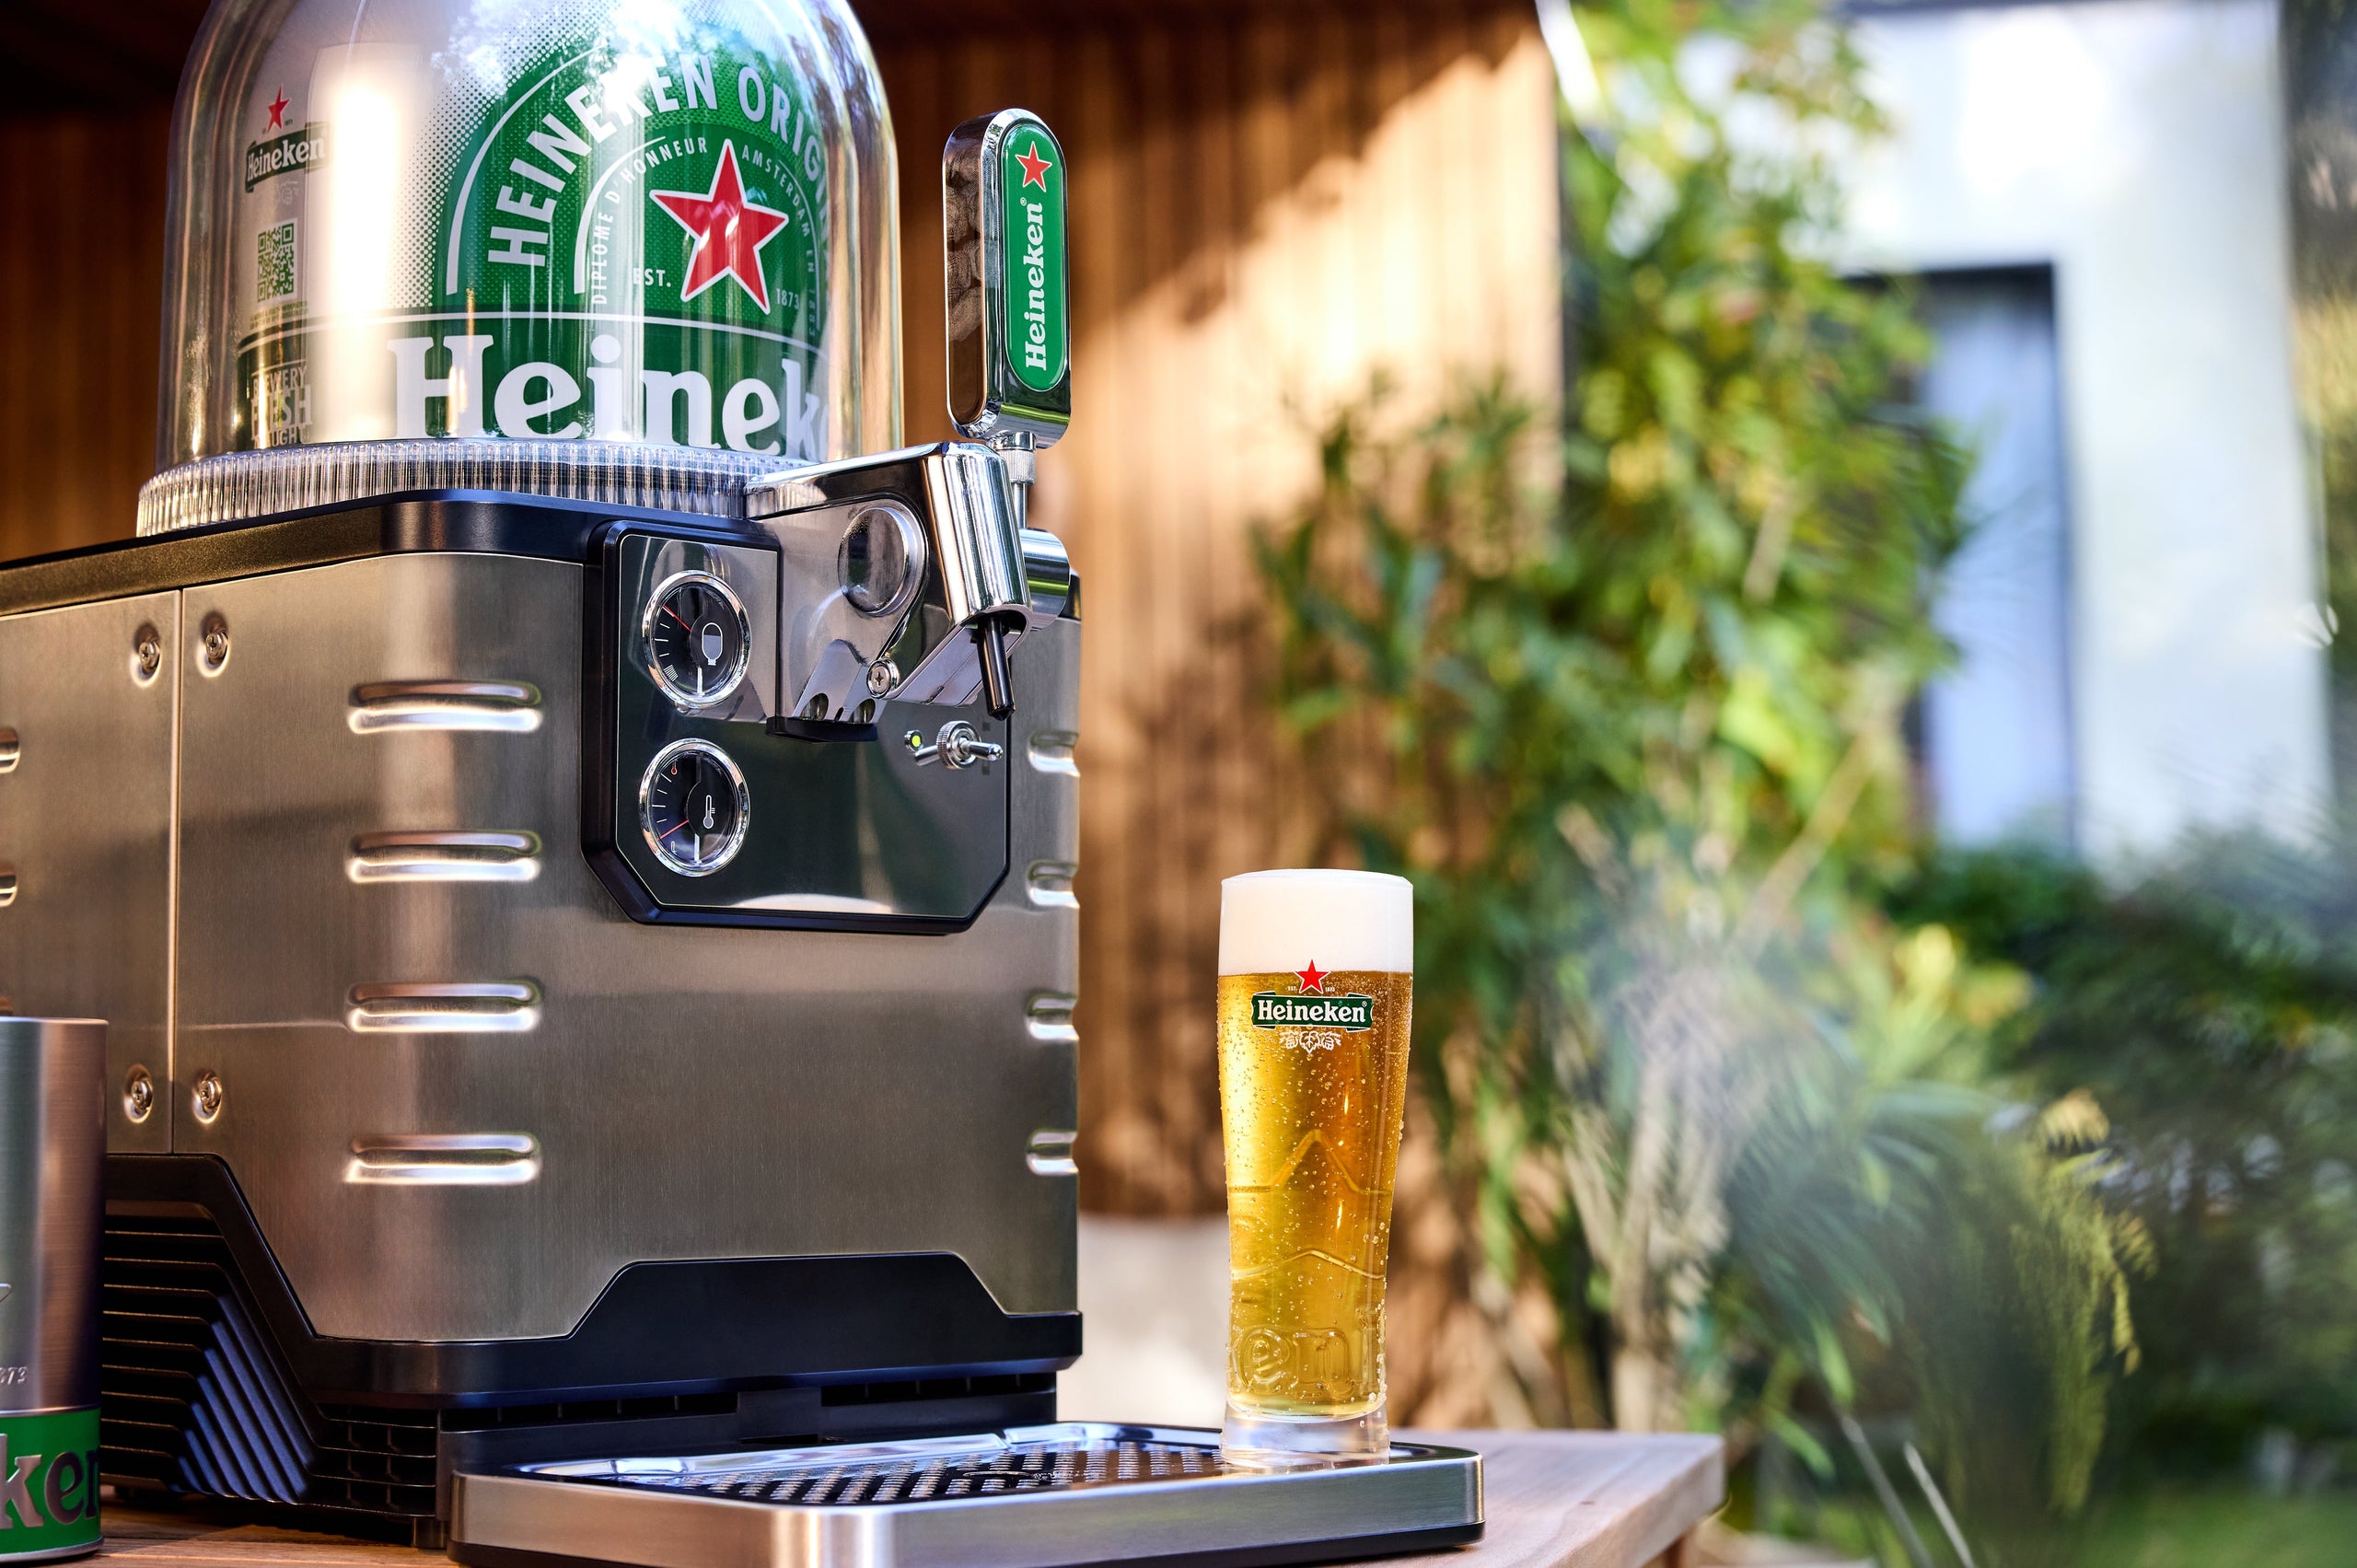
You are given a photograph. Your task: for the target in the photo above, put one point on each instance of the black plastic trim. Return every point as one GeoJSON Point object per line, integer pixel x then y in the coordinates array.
{"type": "Point", "coordinates": [659, 1327]}
{"type": "Point", "coordinates": [820, 729]}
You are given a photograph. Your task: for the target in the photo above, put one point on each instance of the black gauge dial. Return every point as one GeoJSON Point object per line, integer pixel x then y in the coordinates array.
{"type": "Point", "coordinates": [694, 808]}
{"type": "Point", "coordinates": [697, 639]}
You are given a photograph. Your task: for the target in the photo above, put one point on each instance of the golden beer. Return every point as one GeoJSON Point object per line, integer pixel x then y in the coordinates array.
{"type": "Point", "coordinates": [1313, 1066]}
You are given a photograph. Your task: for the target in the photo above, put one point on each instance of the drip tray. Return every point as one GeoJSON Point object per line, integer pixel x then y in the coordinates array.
{"type": "Point", "coordinates": [1061, 1496]}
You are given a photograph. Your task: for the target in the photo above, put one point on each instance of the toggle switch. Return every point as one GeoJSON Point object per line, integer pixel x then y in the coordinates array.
{"type": "Point", "coordinates": [956, 747]}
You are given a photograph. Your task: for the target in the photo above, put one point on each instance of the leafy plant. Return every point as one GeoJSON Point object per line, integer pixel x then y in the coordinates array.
{"type": "Point", "coordinates": [2210, 1006]}
{"type": "Point", "coordinates": [1625, 699]}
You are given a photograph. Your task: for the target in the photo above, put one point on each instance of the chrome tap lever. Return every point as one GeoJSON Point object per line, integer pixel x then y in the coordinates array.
{"type": "Point", "coordinates": [902, 577]}
{"type": "Point", "coordinates": [909, 576]}
{"type": "Point", "coordinates": [1008, 301]}
{"type": "Point", "coordinates": [990, 647]}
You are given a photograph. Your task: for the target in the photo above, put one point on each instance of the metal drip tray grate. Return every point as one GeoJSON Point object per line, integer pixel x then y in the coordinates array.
{"type": "Point", "coordinates": [1034, 1497]}
{"type": "Point", "coordinates": [1055, 1465]}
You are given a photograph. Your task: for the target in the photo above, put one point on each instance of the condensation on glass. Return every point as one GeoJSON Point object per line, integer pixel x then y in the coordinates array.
{"type": "Point", "coordinates": [647, 221]}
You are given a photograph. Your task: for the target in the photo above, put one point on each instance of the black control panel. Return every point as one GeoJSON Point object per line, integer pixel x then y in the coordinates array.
{"type": "Point", "coordinates": [705, 803]}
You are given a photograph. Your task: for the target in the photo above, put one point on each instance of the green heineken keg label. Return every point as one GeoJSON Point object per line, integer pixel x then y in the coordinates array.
{"type": "Point", "coordinates": [1032, 180]}
{"type": "Point", "coordinates": [612, 240]}
{"type": "Point", "coordinates": [48, 1483]}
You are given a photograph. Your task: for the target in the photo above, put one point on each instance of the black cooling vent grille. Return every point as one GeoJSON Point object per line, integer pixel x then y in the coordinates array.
{"type": "Point", "coordinates": [191, 1397]}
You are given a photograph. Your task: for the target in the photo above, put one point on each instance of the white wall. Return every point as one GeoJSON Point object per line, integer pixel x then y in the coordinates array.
{"type": "Point", "coordinates": [2137, 145]}
{"type": "Point", "coordinates": [1153, 1323]}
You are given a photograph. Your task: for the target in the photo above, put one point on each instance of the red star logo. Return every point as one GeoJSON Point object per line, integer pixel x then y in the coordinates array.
{"type": "Point", "coordinates": [729, 231]}
{"type": "Point", "coordinates": [277, 112]}
{"type": "Point", "coordinates": [1313, 978]}
{"type": "Point", "coordinates": [1035, 167]}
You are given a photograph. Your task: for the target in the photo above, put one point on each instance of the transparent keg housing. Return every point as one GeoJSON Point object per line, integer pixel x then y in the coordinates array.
{"type": "Point", "coordinates": [623, 249]}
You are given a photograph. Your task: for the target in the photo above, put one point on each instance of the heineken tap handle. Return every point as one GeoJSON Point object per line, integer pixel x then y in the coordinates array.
{"type": "Point", "coordinates": [1009, 287]}
{"type": "Point", "coordinates": [1008, 298]}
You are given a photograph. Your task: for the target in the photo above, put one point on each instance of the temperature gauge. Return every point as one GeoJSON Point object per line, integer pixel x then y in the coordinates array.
{"type": "Point", "coordinates": [694, 808]}
{"type": "Point", "coordinates": [698, 640]}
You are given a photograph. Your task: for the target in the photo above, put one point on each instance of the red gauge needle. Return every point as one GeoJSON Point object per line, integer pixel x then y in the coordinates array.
{"type": "Point", "coordinates": [672, 828]}
{"type": "Point", "coordinates": [675, 615]}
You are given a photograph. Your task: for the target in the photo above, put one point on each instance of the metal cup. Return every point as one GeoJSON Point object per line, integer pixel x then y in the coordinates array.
{"type": "Point", "coordinates": [52, 1148]}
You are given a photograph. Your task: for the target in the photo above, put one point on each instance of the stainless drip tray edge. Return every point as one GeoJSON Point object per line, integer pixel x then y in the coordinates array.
{"type": "Point", "coordinates": [1070, 1496]}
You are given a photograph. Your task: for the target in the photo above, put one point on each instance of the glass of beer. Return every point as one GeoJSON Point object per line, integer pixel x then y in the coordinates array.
{"type": "Point", "coordinates": [1315, 971]}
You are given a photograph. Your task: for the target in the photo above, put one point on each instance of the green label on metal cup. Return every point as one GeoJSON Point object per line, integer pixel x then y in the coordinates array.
{"type": "Point", "coordinates": [49, 1483]}
{"type": "Point", "coordinates": [1031, 181]}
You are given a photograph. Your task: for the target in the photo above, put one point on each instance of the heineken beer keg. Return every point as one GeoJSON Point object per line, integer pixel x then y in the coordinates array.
{"type": "Point", "coordinates": [662, 224]}
{"type": "Point", "coordinates": [52, 1143]}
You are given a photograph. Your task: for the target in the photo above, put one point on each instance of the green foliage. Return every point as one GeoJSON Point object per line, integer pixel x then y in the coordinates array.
{"type": "Point", "coordinates": [1625, 698]}
{"type": "Point", "coordinates": [2212, 1008]}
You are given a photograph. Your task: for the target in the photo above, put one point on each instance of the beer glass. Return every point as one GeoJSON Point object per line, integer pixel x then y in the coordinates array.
{"type": "Point", "coordinates": [1315, 968]}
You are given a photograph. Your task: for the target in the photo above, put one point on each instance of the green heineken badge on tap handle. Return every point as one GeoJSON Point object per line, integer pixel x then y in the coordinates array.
{"type": "Point", "coordinates": [1003, 183]}
{"type": "Point", "coordinates": [1009, 297]}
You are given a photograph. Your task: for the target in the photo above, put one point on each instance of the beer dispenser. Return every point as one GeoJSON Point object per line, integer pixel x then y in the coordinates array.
{"type": "Point", "coordinates": [572, 825]}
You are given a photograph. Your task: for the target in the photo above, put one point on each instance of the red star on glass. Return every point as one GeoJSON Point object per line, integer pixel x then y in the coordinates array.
{"type": "Point", "coordinates": [1035, 167]}
{"type": "Point", "coordinates": [1313, 978]}
{"type": "Point", "coordinates": [729, 231]}
{"type": "Point", "coordinates": [277, 111]}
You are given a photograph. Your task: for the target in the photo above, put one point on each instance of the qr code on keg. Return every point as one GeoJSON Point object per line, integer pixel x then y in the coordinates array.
{"type": "Point", "coordinates": [275, 263]}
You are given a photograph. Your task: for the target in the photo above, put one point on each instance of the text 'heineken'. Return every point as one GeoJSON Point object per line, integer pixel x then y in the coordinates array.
{"type": "Point", "coordinates": [554, 220]}
{"type": "Point", "coordinates": [1313, 1065]}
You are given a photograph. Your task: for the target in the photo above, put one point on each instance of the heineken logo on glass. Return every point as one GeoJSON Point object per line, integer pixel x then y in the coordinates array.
{"type": "Point", "coordinates": [1311, 1008]}
{"type": "Point", "coordinates": [293, 152]}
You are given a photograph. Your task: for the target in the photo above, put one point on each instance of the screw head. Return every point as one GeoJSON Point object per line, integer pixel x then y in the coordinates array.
{"type": "Point", "coordinates": [146, 654]}
{"type": "Point", "coordinates": [882, 676]}
{"type": "Point", "coordinates": [138, 1094]}
{"type": "Point", "coordinates": [212, 646]}
{"type": "Point", "coordinates": [208, 1094]}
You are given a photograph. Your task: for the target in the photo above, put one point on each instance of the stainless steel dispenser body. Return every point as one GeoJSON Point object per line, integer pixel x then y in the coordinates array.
{"type": "Point", "coordinates": [333, 863]}
{"type": "Point", "coordinates": [573, 836]}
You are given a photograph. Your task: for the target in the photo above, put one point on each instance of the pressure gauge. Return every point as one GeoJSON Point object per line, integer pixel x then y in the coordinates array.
{"type": "Point", "coordinates": [694, 808]}
{"type": "Point", "coordinates": [698, 640]}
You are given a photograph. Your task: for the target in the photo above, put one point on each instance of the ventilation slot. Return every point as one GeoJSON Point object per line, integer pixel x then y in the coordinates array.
{"type": "Point", "coordinates": [936, 1389]}
{"type": "Point", "coordinates": [579, 1410]}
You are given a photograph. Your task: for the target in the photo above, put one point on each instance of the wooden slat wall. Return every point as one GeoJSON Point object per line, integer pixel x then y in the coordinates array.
{"type": "Point", "coordinates": [81, 290]}
{"type": "Point", "coordinates": [1267, 206]}
{"type": "Point", "coordinates": [1264, 212]}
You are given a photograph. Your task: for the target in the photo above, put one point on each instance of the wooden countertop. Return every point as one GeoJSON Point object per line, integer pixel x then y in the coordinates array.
{"type": "Point", "coordinates": [1554, 1500]}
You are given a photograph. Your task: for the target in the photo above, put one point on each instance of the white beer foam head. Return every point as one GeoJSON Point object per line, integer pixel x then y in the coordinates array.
{"type": "Point", "coordinates": [1275, 921]}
